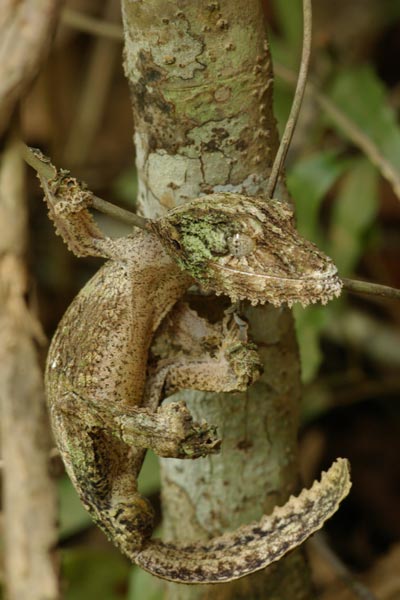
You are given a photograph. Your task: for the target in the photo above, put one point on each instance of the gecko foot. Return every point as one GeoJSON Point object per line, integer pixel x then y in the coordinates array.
{"type": "Point", "coordinates": [184, 438]}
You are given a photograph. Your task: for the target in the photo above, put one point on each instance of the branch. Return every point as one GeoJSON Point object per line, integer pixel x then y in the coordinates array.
{"type": "Point", "coordinates": [359, 589]}
{"type": "Point", "coordinates": [297, 101]}
{"type": "Point", "coordinates": [47, 170]}
{"type": "Point", "coordinates": [91, 25]}
{"type": "Point", "coordinates": [29, 495]}
{"type": "Point", "coordinates": [355, 286]}
{"type": "Point", "coordinates": [26, 32]}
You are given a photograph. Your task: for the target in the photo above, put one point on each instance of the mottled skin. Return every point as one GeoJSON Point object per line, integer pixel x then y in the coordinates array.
{"type": "Point", "coordinates": [248, 249]}
{"type": "Point", "coordinates": [104, 396]}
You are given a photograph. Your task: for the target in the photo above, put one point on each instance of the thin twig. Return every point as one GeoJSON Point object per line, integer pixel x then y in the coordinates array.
{"type": "Point", "coordinates": [99, 73]}
{"type": "Point", "coordinates": [119, 213]}
{"type": "Point", "coordinates": [356, 286]}
{"type": "Point", "coordinates": [297, 101]}
{"type": "Point", "coordinates": [351, 129]}
{"type": "Point", "coordinates": [46, 170]}
{"type": "Point", "coordinates": [358, 588]}
{"type": "Point", "coordinates": [92, 25]}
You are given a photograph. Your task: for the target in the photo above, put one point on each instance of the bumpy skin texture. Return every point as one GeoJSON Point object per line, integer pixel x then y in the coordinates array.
{"type": "Point", "coordinates": [247, 249]}
{"type": "Point", "coordinates": [104, 397]}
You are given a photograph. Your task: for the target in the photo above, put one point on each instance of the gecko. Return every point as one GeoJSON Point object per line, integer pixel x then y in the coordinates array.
{"type": "Point", "coordinates": [104, 395]}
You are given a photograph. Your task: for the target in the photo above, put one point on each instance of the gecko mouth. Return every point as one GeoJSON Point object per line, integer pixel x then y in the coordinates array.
{"type": "Point", "coordinates": [260, 288]}
{"type": "Point", "coordinates": [332, 272]}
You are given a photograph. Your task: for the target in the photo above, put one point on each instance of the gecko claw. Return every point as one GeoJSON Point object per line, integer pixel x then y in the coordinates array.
{"type": "Point", "coordinates": [202, 443]}
{"type": "Point", "coordinates": [184, 437]}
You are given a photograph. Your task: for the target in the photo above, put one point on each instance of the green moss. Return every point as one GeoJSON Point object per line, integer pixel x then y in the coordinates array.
{"type": "Point", "coordinates": [202, 239]}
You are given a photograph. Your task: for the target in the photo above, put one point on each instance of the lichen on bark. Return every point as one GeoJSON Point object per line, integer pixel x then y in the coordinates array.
{"type": "Point", "coordinates": [201, 81]}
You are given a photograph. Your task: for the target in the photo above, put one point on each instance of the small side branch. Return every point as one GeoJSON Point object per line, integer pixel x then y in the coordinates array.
{"type": "Point", "coordinates": [356, 286]}
{"type": "Point", "coordinates": [91, 25]}
{"type": "Point", "coordinates": [297, 101]}
{"type": "Point", "coordinates": [46, 170]}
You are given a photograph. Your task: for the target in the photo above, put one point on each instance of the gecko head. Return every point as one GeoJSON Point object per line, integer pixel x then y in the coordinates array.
{"type": "Point", "coordinates": [247, 248]}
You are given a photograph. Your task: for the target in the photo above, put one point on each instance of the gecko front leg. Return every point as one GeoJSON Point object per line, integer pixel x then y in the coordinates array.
{"type": "Point", "coordinates": [168, 431]}
{"type": "Point", "coordinates": [193, 353]}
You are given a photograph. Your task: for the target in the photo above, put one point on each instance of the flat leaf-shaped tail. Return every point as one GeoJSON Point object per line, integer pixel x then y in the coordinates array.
{"type": "Point", "coordinates": [255, 546]}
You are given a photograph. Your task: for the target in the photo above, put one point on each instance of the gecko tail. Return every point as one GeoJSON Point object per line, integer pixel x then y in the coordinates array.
{"type": "Point", "coordinates": [255, 546]}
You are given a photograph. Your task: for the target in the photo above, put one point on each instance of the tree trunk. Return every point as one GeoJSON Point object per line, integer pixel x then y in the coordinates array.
{"type": "Point", "coordinates": [28, 491]}
{"type": "Point", "coordinates": [201, 80]}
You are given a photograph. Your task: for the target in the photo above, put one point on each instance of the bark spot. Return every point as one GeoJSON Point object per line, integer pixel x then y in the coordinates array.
{"type": "Point", "coordinates": [244, 445]}
{"type": "Point", "coordinates": [222, 94]}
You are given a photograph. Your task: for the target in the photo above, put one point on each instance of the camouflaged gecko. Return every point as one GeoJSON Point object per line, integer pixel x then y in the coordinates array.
{"type": "Point", "coordinates": [104, 398]}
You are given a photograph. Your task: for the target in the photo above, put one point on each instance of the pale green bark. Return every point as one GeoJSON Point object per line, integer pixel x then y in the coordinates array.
{"type": "Point", "coordinates": [201, 81]}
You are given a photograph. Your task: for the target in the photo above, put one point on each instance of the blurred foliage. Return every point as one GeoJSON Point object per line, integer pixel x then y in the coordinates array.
{"type": "Point", "coordinates": [91, 573]}
{"type": "Point", "coordinates": [353, 215]}
{"type": "Point", "coordinates": [362, 97]}
{"type": "Point", "coordinates": [341, 174]}
{"type": "Point", "coordinates": [143, 585]}
{"type": "Point", "coordinates": [125, 187]}
{"type": "Point", "coordinates": [73, 517]}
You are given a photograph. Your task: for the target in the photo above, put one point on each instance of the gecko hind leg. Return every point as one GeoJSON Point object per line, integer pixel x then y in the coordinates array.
{"type": "Point", "coordinates": [104, 471]}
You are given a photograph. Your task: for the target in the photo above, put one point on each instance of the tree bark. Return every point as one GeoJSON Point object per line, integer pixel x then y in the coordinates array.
{"type": "Point", "coordinates": [201, 81]}
{"type": "Point", "coordinates": [29, 494]}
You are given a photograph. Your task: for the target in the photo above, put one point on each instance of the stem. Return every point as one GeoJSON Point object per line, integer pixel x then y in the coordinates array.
{"type": "Point", "coordinates": [356, 286]}
{"type": "Point", "coordinates": [92, 25]}
{"type": "Point", "coordinates": [46, 170]}
{"type": "Point", "coordinates": [297, 100]}
{"type": "Point", "coordinates": [95, 90]}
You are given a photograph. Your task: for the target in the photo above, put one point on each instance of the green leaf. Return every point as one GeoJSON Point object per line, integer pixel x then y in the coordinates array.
{"type": "Point", "coordinates": [353, 214]}
{"type": "Point", "coordinates": [308, 182]}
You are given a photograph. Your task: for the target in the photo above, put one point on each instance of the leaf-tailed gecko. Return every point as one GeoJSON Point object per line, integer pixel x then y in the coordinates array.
{"type": "Point", "coordinates": [104, 400]}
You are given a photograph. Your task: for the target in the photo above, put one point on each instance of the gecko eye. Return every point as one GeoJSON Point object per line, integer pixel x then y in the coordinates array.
{"type": "Point", "coordinates": [176, 244]}
{"type": "Point", "coordinates": [241, 244]}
